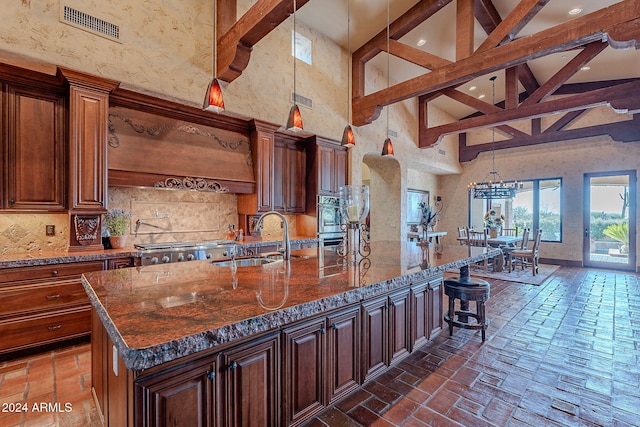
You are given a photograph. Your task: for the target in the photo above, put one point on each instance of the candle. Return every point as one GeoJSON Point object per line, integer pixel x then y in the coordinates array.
{"type": "Point", "coordinates": [352, 213]}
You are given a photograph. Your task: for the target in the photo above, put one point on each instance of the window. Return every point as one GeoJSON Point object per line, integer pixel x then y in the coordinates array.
{"type": "Point", "coordinates": [537, 204]}
{"type": "Point", "coordinates": [301, 47]}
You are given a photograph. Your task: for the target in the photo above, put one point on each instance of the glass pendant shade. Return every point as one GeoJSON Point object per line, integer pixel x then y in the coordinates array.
{"type": "Point", "coordinates": [354, 202]}
{"type": "Point", "coordinates": [294, 123]}
{"type": "Point", "coordinates": [387, 148]}
{"type": "Point", "coordinates": [213, 101]}
{"type": "Point", "coordinates": [348, 138]}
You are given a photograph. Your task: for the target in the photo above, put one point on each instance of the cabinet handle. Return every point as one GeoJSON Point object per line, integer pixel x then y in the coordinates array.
{"type": "Point", "coordinates": [323, 331]}
{"type": "Point", "coordinates": [54, 273]}
{"type": "Point", "coordinates": [334, 326]}
{"type": "Point", "coordinates": [392, 304]}
{"type": "Point", "coordinates": [53, 328]}
{"type": "Point", "coordinates": [211, 375]}
{"type": "Point", "coordinates": [12, 202]}
{"type": "Point", "coordinates": [53, 296]}
{"type": "Point", "coordinates": [233, 365]}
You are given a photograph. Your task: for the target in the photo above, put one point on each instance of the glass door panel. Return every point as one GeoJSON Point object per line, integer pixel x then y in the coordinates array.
{"type": "Point", "coordinates": [610, 224]}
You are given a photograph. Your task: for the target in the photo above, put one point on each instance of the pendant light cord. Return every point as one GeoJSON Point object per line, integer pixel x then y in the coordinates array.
{"type": "Point", "coordinates": [388, 70]}
{"type": "Point", "coordinates": [493, 128]}
{"type": "Point", "coordinates": [294, 51]}
{"type": "Point", "coordinates": [215, 38]}
{"type": "Point", "coordinates": [349, 62]}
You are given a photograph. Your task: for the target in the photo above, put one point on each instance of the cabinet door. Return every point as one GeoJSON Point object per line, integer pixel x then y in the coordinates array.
{"type": "Point", "coordinates": [326, 175]}
{"type": "Point", "coordinates": [435, 306]}
{"type": "Point", "coordinates": [35, 150]}
{"type": "Point", "coordinates": [180, 397]}
{"type": "Point", "coordinates": [296, 182]}
{"type": "Point", "coordinates": [343, 356]}
{"type": "Point", "coordinates": [375, 328]}
{"type": "Point", "coordinates": [265, 170]}
{"type": "Point", "coordinates": [420, 315]}
{"type": "Point", "coordinates": [250, 378]}
{"type": "Point", "coordinates": [278, 191]}
{"type": "Point", "coordinates": [399, 325]}
{"type": "Point", "coordinates": [304, 361]}
{"type": "Point", "coordinates": [340, 168]}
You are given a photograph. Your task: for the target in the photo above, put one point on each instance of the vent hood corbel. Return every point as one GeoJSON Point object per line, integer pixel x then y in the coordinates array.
{"type": "Point", "coordinates": [173, 146]}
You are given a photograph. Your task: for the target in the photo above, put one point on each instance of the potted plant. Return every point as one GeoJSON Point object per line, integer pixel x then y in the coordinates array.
{"type": "Point", "coordinates": [117, 221]}
{"type": "Point", "coordinates": [493, 222]}
{"type": "Point", "coordinates": [619, 232]}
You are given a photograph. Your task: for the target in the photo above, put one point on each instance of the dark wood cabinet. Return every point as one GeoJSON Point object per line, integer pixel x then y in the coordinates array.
{"type": "Point", "coordinates": [184, 396]}
{"type": "Point", "coordinates": [280, 171]}
{"type": "Point", "coordinates": [420, 315]}
{"type": "Point", "coordinates": [399, 325]}
{"type": "Point", "coordinates": [249, 378]}
{"type": "Point", "coordinates": [327, 168]}
{"type": "Point", "coordinates": [113, 264]}
{"type": "Point", "coordinates": [304, 361]}
{"type": "Point", "coordinates": [375, 337]}
{"type": "Point", "coordinates": [34, 149]}
{"type": "Point", "coordinates": [43, 304]}
{"type": "Point", "coordinates": [435, 305]}
{"type": "Point", "coordinates": [343, 353]}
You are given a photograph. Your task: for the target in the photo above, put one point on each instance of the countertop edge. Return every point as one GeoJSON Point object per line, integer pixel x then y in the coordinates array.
{"type": "Point", "coordinates": [148, 357]}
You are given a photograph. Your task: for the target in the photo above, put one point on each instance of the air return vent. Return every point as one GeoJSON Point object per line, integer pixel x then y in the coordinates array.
{"type": "Point", "coordinates": [302, 100]}
{"type": "Point", "coordinates": [89, 23]}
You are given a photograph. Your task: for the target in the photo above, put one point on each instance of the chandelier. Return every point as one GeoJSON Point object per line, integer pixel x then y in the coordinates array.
{"type": "Point", "coordinates": [493, 186]}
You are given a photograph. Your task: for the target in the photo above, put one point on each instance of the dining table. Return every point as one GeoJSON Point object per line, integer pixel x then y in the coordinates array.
{"type": "Point", "coordinates": [499, 242]}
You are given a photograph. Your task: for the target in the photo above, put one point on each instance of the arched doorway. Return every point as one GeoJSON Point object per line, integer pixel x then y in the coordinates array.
{"type": "Point", "coordinates": [386, 195]}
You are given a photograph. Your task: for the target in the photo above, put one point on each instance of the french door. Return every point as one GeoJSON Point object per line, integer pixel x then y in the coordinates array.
{"type": "Point", "coordinates": [610, 220]}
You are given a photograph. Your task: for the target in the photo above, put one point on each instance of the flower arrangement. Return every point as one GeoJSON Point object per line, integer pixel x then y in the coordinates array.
{"type": "Point", "coordinates": [117, 221]}
{"type": "Point", "coordinates": [428, 218]}
{"type": "Point", "coordinates": [492, 220]}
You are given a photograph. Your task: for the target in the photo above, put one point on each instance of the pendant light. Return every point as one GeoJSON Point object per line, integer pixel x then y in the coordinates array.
{"type": "Point", "coordinates": [294, 122]}
{"type": "Point", "coordinates": [493, 186]}
{"type": "Point", "coordinates": [348, 138]}
{"type": "Point", "coordinates": [387, 147]}
{"type": "Point", "coordinates": [213, 99]}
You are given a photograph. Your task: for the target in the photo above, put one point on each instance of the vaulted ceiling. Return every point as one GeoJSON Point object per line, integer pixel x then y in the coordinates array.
{"type": "Point", "coordinates": [536, 47]}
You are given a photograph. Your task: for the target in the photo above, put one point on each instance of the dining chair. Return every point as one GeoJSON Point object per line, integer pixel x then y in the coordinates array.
{"type": "Point", "coordinates": [463, 235]}
{"type": "Point", "coordinates": [527, 257]}
{"type": "Point", "coordinates": [507, 249]}
{"type": "Point", "coordinates": [478, 238]}
{"type": "Point", "coordinates": [513, 232]}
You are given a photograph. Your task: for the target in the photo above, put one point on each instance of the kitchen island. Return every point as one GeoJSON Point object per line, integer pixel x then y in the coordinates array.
{"type": "Point", "coordinates": [201, 343]}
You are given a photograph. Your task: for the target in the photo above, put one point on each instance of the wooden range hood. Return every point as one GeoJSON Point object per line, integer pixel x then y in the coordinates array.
{"type": "Point", "coordinates": [162, 144]}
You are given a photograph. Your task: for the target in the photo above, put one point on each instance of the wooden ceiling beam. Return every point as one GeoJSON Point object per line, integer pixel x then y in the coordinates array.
{"type": "Point", "coordinates": [580, 60]}
{"type": "Point", "coordinates": [415, 56]}
{"type": "Point", "coordinates": [575, 33]}
{"type": "Point", "coordinates": [626, 131]}
{"type": "Point", "coordinates": [512, 24]}
{"type": "Point", "coordinates": [431, 136]}
{"type": "Point", "coordinates": [234, 46]}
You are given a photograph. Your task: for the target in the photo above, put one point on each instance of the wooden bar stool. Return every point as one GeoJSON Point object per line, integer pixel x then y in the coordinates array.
{"type": "Point", "coordinates": [466, 289]}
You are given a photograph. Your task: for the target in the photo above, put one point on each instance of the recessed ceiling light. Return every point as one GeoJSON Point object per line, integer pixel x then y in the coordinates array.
{"type": "Point", "coordinates": [575, 11]}
{"type": "Point", "coordinates": [481, 96]}
{"type": "Point", "coordinates": [472, 88]}
{"type": "Point", "coordinates": [421, 42]}
{"type": "Point", "coordinates": [585, 68]}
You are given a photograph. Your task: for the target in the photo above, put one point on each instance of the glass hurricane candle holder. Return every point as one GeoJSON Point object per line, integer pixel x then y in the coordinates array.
{"type": "Point", "coordinates": [354, 202]}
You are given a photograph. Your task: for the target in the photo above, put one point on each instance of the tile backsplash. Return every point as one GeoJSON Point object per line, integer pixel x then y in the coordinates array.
{"type": "Point", "coordinates": [26, 233]}
{"type": "Point", "coordinates": [162, 215]}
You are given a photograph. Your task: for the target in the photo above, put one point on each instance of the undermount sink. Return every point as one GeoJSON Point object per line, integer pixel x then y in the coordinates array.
{"type": "Point", "coordinates": [245, 262]}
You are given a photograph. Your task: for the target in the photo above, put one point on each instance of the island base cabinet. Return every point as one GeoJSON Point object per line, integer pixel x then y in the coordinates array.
{"type": "Point", "coordinates": [436, 300]}
{"type": "Point", "coordinates": [304, 364]}
{"type": "Point", "coordinates": [179, 397]}
{"type": "Point", "coordinates": [343, 349]}
{"type": "Point", "coordinates": [375, 337]}
{"type": "Point", "coordinates": [250, 384]}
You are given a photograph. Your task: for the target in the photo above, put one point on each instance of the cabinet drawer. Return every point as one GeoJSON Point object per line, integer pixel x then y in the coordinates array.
{"type": "Point", "coordinates": [37, 297]}
{"type": "Point", "coordinates": [26, 332]}
{"type": "Point", "coordinates": [49, 271]}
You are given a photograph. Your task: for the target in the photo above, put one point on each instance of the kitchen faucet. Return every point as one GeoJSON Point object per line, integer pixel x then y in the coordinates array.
{"type": "Point", "coordinates": [286, 242]}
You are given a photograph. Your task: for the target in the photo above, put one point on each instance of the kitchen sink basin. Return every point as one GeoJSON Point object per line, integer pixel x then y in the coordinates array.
{"type": "Point", "coordinates": [245, 262]}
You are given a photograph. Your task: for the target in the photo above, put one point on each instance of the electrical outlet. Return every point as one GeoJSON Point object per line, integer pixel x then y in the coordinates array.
{"type": "Point", "coordinates": [51, 230]}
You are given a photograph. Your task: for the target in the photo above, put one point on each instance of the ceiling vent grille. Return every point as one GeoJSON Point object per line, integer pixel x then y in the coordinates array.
{"type": "Point", "coordinates": [90, 23]}
{"type": "Point", "coordinates": [302, 100]}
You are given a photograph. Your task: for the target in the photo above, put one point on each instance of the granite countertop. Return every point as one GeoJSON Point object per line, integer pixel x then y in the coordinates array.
{"type": "Point", "coordinates": [30, 259]}
{"type": "Point", "coordinates": [155, 314]}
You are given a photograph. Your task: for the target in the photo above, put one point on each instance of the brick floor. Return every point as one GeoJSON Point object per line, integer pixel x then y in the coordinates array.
{"type": "Point", "coordinates": [566, 353]}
